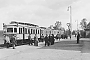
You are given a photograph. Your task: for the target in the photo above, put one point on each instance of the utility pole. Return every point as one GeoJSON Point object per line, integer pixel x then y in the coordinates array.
{"type": "Point", "coordinates": [77, 24]}
{"type": "Point", "coordinates": [70, 9]}
{"type": "Point", "coordinates": [71, 17]}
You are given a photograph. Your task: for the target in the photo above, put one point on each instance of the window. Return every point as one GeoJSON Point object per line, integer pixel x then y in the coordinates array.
{"type": "Point", "coordinates": [41, 31]}
{"type": "Point", "coordinates": [46, 32]}
{"type": "Point", "coordinates": [25, 30]}
{"type": "Point", "coordinates": [50, 32]}
{"type": "Point", "coordinates": [15, 29]}
{"type": "Point", "coordinates": [28, 31]}
{"type": "Point", "coordinates": [4, 30]}
{"type": "Point", "coordinates": [20, 30]}
{"type": "Point", "coordinates": [9, 29]}
{"type": "Point", "coordinates": [31, 31]}
{"type": "Point", "coordinates": [38, 31]}
{"type": "Point", "coordinates": [54, 32]}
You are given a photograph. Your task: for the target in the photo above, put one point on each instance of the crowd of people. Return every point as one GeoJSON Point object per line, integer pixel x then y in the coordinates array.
{"type": "Point", "coordinates": [10, 39]}
{"type": "Point", "coordinates": [49, 40]}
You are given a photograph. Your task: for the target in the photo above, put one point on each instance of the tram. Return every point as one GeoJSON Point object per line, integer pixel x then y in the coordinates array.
{"type": "Point", "coordinates": [22, 30]}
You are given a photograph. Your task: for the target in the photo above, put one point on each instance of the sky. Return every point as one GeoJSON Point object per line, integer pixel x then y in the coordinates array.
{"type": "Point", "coordinates": [44, 12]}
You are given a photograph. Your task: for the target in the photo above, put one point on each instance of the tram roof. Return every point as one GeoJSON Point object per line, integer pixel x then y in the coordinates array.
{"type": "Point", "coordinates": [43, 27]}
{"type": "Point", "coordinates": [14, 22]}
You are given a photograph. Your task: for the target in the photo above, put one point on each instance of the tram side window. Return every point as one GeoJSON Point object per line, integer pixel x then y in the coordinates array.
{"type": "Point", "coordinates": [20, 30]}
{"type": "Point", "coordinates": [50, 32]}
{"type": "Point", "coordinates": [4, 30]}
{"type": "Point", "coordinates": [41, 31]}
{"type": "Point", "coordinates": [31, 31]}
{"type": "Point", "coordinates": [28, 31]}
{"type": "Point", "coordinates": [38, 31]}
{"type": "Point", "coordinates": [9, 29]}
{"type": "Point", "coordinates": [25, 30]}
{"type": "Point", "coordinates": [46, 32]}
{"type": "Point", "coordinates": [54, 32]}
{"type": "Point", "coordinates": [15, 29]}
{"type": "Point", "coordinates": [34, 31]}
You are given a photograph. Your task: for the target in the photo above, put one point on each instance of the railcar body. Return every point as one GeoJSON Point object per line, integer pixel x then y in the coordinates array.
{"type": "Point", "coordinates": [21, 31]}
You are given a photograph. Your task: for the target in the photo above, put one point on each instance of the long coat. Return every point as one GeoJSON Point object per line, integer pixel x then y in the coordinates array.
{"type": "Point", "coordinates": [13, 40]}
{"type": "Point", "coordinates": [35, 41]}
{"type": "Point", "coordinates": [7, 39]}
{"type": "Point", "coordinates": [35, 38]}
{"type": "Point", "coordinates": [46, 39]}
{"type": "Point", "coordinates": [78, 37]}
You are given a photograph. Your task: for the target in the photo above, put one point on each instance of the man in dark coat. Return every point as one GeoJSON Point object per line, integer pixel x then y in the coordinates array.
{"type": "Point", "coordinates": [52, 39]}
{"type": "Point", "coordinates": [78, 37]}
{"type": "Point", "coordinates": [42, 38]}
{"type": "Point", "coordinates": [13, 41]}
{"type": "Point", "coordinates": [35, 40]}
{"type": "Point", "coordinates": [46, 40]}
{"type": "Point", "coordinates": [30, 40]}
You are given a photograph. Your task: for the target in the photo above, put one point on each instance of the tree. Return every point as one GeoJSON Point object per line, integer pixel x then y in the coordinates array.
{"type": "Point", "coordinates": [88, 25]}
{"type": "Point", "coordinates": [51, 27]}
{"type": "Point", "coordinates": [58, 25]}
{"type": "Point", "coordinates": [83, 23]}
{"type": "Point", "coordinates": [69, 29]}
{"type": "Point", "coordinates": [73, 32]}
{"type": "Point", "coordinates": [62, 29]}
{"type": "Point", "coordinates": [69, 25]}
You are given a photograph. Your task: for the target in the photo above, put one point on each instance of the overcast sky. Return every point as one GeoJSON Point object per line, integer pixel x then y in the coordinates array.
{"type": "Point", "coordinates": [43, 12]}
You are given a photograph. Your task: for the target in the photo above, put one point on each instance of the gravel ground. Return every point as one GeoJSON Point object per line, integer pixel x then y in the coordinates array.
{"type": "Point", "coordinates": [61, 50]}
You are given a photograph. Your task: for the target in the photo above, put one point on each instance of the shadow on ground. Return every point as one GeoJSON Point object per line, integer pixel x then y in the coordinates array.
{"type": "Point", "coordinates": [86, 46]}
{"type": "Point", "coordinates": [65, 45]}
{"type": "Point", "coordinates": [2, 46]}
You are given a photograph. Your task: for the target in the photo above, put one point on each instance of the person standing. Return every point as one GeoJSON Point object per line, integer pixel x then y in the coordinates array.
{"type": "Point", "coordinates": [70, 36]}
{"type": "Point", "coordinates": [78, 37]}
{"type": "Point", "coordinates": [30, 40]}
{"type": "Point", "coordinates": [42, 38]}
{"type": "Point", "coordinates": [7, 40]}
{"type": "Point", "coordinates": [52, 39]}
{"type": "Point", "coordinates": [59, 36]}
{"type": "Point", "coordinates": [75, 34]}
{"type": "Point", "coordinates": [46, 40]}
{"type": "Point", "coordinates": [13, 41]}
{"type": "Point", "coordinates": [35, 40]}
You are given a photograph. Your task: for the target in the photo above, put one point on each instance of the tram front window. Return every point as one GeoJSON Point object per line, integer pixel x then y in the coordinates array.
{"type": "Point", "coordinates": [15, 29]}
{"type": "Point", "coordinates": [9, 29]}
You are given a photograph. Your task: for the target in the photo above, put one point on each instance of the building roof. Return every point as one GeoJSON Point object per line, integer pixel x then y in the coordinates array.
{"type": "Point", "coordinates": [22, 23]}
{"type": "Point", "coordinates": [43, 27]}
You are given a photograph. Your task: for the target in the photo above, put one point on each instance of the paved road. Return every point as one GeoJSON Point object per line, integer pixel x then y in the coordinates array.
{"type": "Point", "coordinates": [62, 50]}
